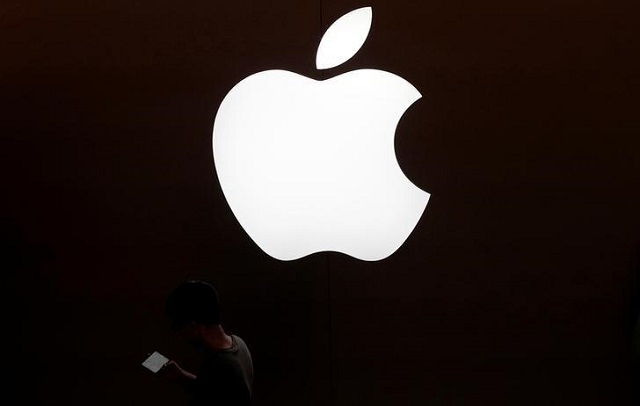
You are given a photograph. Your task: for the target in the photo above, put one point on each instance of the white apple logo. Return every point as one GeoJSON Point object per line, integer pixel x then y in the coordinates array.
{"type": "Point", "coordinates": [309, 166]}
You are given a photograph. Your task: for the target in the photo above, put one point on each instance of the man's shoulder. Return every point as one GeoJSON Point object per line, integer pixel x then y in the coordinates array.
{"type": "Point", "coordinates": [226, 357]}
{"type": "Point", "coordinates": [239, 342]}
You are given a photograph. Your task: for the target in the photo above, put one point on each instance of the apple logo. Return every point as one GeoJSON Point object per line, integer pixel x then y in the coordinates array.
{"type": "Point", "coordinates": [309, 165]}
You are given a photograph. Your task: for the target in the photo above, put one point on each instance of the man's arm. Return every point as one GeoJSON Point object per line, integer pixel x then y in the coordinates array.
{"type": "Point", "coordinates": [174, 372]}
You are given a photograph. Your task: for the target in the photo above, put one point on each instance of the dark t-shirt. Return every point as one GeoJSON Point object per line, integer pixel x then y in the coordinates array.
{"type": "Point", "coordinates": [225, 377]}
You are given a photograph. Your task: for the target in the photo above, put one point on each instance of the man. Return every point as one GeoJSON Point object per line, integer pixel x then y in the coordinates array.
{"type": "Point", "coordinates": [225, 377]}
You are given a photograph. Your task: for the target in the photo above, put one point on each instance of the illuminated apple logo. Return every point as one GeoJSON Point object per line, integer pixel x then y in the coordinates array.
{"type": "Point", "coordinates": [309, 166]}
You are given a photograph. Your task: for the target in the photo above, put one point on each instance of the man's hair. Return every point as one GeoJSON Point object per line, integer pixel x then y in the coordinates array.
{"type": "Point", "coordinates": [193, 301]}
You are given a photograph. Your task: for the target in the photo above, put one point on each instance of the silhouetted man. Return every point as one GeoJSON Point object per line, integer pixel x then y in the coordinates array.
{"type": "Point", "coordinates": [225, 377]}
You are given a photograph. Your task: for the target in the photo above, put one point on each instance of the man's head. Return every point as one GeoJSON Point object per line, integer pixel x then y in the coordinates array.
{"type": "Point", "coordinates": [193, 307]}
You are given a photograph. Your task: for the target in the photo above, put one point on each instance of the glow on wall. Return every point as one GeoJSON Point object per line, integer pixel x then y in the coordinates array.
{"type": "Point", "coordinates": [309, 165]}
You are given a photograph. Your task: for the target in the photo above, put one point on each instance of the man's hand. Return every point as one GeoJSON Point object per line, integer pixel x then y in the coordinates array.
{"type": "Point", "coordinates": [174, 372]}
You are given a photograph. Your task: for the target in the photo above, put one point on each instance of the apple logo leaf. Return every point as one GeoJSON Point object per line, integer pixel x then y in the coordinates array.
{"type": "Point", "coordinates": [344, 38]}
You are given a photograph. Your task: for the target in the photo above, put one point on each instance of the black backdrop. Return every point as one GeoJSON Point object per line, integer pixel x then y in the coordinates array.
{"type": "Point", "coordinates": [516, 287]}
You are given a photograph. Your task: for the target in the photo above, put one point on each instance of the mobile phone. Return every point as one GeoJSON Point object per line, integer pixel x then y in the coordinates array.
{"type": "Point", "coordinates": [155, 362]}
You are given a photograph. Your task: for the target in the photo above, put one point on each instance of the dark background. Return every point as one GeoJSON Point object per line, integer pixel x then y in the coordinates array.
{"type": "Point", "coordinates": [517, 287]}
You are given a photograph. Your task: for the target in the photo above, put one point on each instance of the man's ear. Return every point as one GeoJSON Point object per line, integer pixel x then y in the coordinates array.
{"type": "Point", "coordinates": [189, 327]}
{"type": "Point", "coordinates": [197, 328]}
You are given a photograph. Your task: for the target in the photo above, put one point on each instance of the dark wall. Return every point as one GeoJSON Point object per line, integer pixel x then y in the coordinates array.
{"type": "Point", "coordinates": [516, 287]}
